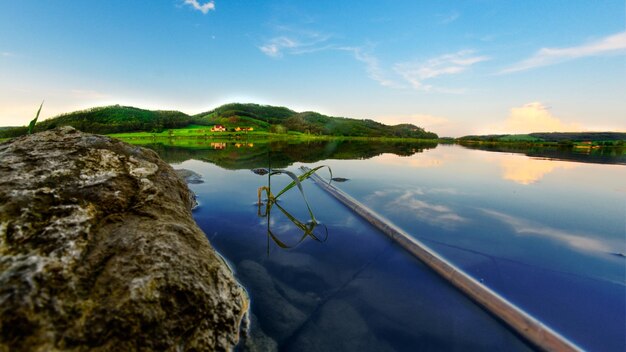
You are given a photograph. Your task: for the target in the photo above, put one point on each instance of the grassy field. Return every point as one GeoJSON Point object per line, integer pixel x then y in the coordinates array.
{"type": "Point", "coordinates": [195, 135]}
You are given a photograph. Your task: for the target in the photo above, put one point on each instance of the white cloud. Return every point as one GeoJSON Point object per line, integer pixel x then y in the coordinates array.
{"type": "Point", "coordinates": [612, 44]}
{"type": "Point", "coordinates": [6, 54]}
{"type": "Point", "coordinates": [415, 73]}
{"type": "Point", "coordinates": [534, 117]}
{"type": "Point", "coordinates": [204, 8]}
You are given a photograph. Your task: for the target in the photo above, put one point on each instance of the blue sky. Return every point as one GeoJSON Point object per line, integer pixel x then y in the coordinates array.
{"type": "Point", "coordinates": [452, 67]}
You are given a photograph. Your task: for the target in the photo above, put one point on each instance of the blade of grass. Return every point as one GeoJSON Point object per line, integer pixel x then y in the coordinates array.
{"type": "Point", "coordinates": [31, 125]}
{"type": "Point", "coordinates": [303, 177]}
{"type": "Point", "coordinates": [295, 182]}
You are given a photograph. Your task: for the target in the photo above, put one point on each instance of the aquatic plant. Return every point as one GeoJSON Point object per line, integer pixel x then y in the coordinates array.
{"type": "Point", "coordinates": [297, 181]}
{"type": "Point", "coordinates": [31, 125]}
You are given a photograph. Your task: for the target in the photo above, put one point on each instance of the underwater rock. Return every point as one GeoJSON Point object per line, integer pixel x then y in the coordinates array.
{"type": "Point", "coordinates": [329, 331]}
{"type": "Point", "coordinates": [98, 250]}
{"type": "Point", "coordinates": [281, 318]}
{"type": "Point", "coordinates": [256, 340]}
{"type": "Point", "coordinates": [304, 272]}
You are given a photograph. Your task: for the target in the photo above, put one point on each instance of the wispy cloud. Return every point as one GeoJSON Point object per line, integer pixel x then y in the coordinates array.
{"type": "Point", "coordinates": [403, 75]}
{"type": "Point", "coordinates": [204, 8]}
{"type": "Point", "coordinates": [296, 43]}
{"type": "Point", "coordinates": [309, 42]}
{"type": "Point", "coordinates": [6, 54]}
{"type": "Point", "coordinates": [612, 44]}
{"type": "Point", "coordinates": [276, 46]}
{"type": "Point", "coordinates": [413, 74]}
{"type": "Point", "coordinates": [372, 66]}
{"type": "Point", "coordinates": [417, 72]}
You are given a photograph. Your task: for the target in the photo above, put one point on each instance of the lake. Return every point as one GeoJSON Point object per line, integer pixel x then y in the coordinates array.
{"type": "Point", "coordinates": [545, 228]}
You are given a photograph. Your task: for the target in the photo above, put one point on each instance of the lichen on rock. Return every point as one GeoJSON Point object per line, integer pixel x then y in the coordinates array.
{"type": "Point", "coordinates": [98, 250]}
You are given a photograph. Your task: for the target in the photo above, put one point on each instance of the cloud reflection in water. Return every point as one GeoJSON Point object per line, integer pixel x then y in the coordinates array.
{"type": "Point", "coordinates": [583, 242]}
{"type": "Point", "coordinates": [427, 212]}
{"type": "Point", "coordinates": [527, 171]}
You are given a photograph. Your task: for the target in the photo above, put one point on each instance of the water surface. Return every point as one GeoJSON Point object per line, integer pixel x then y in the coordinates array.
{"type": "Point", "coordinates": [544, 228]}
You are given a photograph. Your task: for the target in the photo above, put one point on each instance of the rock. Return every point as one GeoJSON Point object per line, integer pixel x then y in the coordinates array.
{"type": "Point", "coordinates": [304, 272]}
{"type": "Point", "coordinates": [189, 176]}
{"type": "Point", "coordinates": [98, 250]}
{"type": "Point", "coordinates": [337, 327]}
{"type": "Point", "coordinates": [280, 317]}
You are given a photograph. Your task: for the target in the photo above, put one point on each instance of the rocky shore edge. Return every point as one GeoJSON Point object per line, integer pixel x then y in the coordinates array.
{"type": "Point", "coordinates": [99, 251]}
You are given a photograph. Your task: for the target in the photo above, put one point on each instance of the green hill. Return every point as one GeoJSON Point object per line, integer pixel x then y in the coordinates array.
{"type": "Point", "coordinates": [266, 113]}
{"type": "Point", "coordinates": [277, 119]}
{"type": "Point", "coordinates": [281, 119]}
{"type": "Point", "coordinates": [109, 119]}
{"type": "Point", "coordinates": [558, 137]}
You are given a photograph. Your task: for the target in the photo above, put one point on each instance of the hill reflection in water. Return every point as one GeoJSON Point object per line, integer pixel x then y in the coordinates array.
{"type": "Point", "coordinates": [244, 155]}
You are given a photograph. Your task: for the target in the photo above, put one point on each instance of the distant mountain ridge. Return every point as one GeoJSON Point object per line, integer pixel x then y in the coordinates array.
{"type": "Point", "coordinates": [278, 119]}
{"type": "Point", "coordinates": [548, 137]}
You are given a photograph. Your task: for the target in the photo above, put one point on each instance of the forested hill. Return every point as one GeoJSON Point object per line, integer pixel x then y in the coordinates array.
{"type": "Point", "coordinates": [109, 119]}
{"type": "Point", "coordinates": [119, 119]}
{"type": "Point", "coordinates": [282, 119]}
{"type": "Point", "coordinates": [548, 137]}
